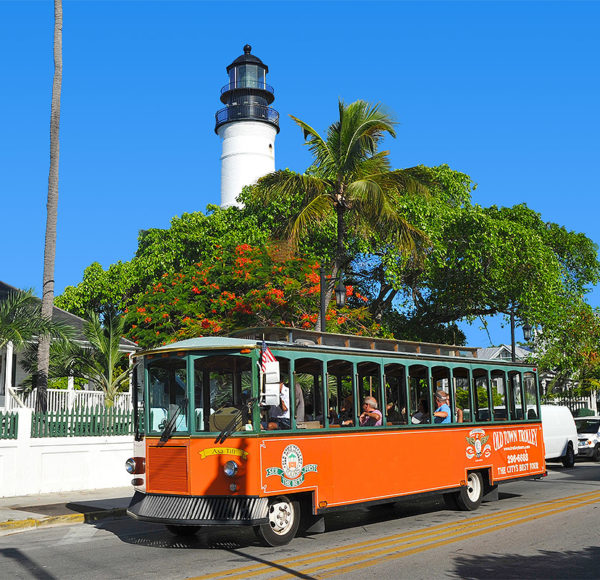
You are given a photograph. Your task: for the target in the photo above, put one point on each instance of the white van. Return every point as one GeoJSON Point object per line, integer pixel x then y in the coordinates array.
{"type": "Point", "coordinates": [560, 434]}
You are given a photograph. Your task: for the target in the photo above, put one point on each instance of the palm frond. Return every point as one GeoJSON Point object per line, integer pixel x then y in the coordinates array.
{"type": "Point", "coordinates": [315, 211]}
{"type": "Point", "coordinates": [363, 128]}
{"type": "Point", "coordinates": [315, 143]}
{"type": "Point", "coordinates": [21, 320]}
{"type": "Point", "coordinates": [404, 182]}
{"type": "Point", "coordinates": [281, 183]}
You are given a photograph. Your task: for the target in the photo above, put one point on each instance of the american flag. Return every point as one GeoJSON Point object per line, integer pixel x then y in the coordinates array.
{"type": "Point", "coordinates": [266, 356]}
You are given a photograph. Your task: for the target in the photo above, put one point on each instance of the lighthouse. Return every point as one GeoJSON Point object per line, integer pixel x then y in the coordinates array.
{"type": "Point", "coordinates": [247, 126]}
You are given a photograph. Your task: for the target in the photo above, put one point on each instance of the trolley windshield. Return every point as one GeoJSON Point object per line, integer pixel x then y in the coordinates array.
{"type": "Point", "coordinates": [195, 393]}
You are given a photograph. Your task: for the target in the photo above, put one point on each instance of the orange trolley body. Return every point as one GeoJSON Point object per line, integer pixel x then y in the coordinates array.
{"type": "Point", "coordinates": [274, 479]}
{"type": "Point", "coordinates": [340, 468]}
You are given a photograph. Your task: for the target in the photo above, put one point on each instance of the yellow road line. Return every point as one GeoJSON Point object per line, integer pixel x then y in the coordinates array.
{"type": "Point", "coordinates": [383, 557]}
{"type": "Point", "coordinates": [424, 540]}
{"type": "Point", "coordinates": [478, 522]}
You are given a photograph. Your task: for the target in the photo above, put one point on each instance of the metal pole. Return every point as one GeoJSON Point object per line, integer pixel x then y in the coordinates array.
{"type": "Point", "coordinates": [323, 293]}
{"type": "Point", "coordinates": [512, 335]}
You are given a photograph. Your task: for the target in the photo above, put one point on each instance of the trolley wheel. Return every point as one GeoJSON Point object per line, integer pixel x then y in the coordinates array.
{"type": "Point", "coordinates": [568, 459]}
{"type": "Point", "coordinates": [284, 519]}
{"type": "Point", "coordinates": [470, 496]}
{"type": "Point", "coordinates": [182, 530]}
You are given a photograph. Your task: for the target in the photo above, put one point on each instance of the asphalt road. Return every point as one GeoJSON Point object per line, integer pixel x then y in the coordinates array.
{"type": "Point", "coordinates": [548, 528]}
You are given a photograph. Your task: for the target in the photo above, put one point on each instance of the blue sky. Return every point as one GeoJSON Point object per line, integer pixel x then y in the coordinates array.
{"type": "Point", "coordinates": [507, 92]}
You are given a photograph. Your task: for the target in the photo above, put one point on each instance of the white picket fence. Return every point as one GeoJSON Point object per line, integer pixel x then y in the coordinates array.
{"type": "Point", "coordinates": [61, 399]}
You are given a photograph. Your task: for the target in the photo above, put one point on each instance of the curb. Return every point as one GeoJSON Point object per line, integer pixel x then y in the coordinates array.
{"type": "Point", "coordinates": [90, 517]}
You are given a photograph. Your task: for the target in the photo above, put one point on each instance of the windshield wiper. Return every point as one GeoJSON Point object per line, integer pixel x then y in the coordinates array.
{"type": "Point", "coordinates": [170, 426]}
{"type": "Point", "coordinates": [240, 418]}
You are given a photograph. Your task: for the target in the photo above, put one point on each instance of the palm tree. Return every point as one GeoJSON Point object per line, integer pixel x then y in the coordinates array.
{"type": "Point", "coordinates": [21, 323]}
{"type": "Point", "coordinates": [101, 363]}
{"type": "Point", "coordinates": [21, 320]}
{"type": "Point", "coordinates": [51, 208]}
{"type": "Point", "coordinates": [351, 179]}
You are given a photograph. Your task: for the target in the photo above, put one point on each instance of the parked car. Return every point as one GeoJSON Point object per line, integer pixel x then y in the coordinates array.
{"type": "Point", "coordinates": [560, 434]}
{"type": "Point", "coordinates": [588, 432]}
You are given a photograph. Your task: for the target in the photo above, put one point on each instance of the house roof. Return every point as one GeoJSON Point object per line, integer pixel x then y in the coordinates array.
{"type": "Point", "coordinates": [65, 317]}
{"type": "Point", "coordinates": [502, 352]}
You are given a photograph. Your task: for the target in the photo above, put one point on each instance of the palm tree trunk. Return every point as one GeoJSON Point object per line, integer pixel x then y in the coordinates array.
{"type": "Point", "coordinates": [339, 260]}
{"type": "Point", "coordinates": [51, 212]}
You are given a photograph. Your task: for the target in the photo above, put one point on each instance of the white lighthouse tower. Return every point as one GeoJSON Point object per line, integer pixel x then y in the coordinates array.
{"type": "Point", "coordinates": [247, 126]}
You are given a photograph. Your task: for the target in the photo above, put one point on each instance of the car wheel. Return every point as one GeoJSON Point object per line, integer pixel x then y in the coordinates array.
{"type": "Point", "coordinates": [470, 496]}
{"type": "Point", "coordinates": [596, 453]}
{"type": "Point", "coordinates": [182, 530]}
{"type": "Point", "coordinates": [568, 460]}
{"type": "Point", "coordinates": [284, 519]}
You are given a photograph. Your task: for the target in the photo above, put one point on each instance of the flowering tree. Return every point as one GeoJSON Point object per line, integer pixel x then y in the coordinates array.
{"type": "Point", "coordinates": [239, 288]}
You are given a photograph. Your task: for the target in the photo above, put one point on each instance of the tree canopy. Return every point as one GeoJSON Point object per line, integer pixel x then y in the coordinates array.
{"type": "Point", "coordinates": [350, 181]}
{"type": "Point", "coordinates": [417, 265]}
{"type": "Point", "coordinates": [235, 289]}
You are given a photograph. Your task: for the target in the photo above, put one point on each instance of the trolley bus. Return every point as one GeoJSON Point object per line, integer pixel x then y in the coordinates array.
{"type": "Point", "coordinates": [206, 452]}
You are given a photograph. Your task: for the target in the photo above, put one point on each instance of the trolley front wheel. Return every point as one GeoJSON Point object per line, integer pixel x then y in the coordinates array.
{"type": "Point", "coordinates": [284, 519]}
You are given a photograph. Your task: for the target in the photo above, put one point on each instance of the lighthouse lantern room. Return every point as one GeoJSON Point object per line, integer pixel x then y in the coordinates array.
{"type": "Point", "coordinates": [247, 126]}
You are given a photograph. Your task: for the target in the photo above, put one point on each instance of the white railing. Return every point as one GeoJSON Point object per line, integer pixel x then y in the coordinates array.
{"type": "Point", "coordinates": [61, 399]}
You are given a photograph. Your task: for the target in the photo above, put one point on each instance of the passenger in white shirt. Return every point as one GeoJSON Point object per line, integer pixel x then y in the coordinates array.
{"type": "Point", "coordinates": [279, 415]}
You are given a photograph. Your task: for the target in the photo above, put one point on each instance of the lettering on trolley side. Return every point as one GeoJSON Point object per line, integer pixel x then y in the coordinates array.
{"type": "Point", "coordinates": [223, 451]}
{"type": "Point", "coordinates": [516, 443]}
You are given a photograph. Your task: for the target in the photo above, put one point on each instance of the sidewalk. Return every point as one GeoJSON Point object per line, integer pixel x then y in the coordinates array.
{"type": "Point", "coordinates": [69, 507]}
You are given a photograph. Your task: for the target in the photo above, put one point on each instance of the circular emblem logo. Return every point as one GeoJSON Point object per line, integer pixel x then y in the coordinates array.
{"type": "Point", "coordinates": [291, 461]}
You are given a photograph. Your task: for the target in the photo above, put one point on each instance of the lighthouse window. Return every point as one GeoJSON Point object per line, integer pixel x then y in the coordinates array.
{"type": "Point", "coordinates": [248, 76]}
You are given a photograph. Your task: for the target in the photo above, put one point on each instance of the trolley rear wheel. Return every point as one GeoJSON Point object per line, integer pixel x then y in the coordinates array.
{"type": "Point", "coordinates": [469, 497]}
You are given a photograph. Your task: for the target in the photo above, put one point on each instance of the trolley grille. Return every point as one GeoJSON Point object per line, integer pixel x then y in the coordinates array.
{"type": "Point", "coordinates": [198, 510]}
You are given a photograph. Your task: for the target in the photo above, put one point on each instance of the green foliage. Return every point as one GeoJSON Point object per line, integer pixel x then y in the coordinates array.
{"type": "Point", "coordinates": [486, 261]}
{"type": "Point", "coordinates": [21, 320]}
{"type": "Point", "coordinates": [418, 255]}
{"type": "Point", "coordinates": [237, 289]}
{"type": "Point", "coordinates": [191, 238]}
{"type": "Point", "coordinates": [99, 363]}
{"type": "Point", "coordinates": [63, 382]}
{"type": "Point", "coordinates": [569, 347]}
{"type": "Point", "coordinates": [400, 325]}
{"type": "Point", "coordinates": [99, 289]}
{"type": "Point", "coordinates": [350, 186]}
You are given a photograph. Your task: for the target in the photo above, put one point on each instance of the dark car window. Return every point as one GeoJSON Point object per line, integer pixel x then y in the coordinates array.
{"type": "Point", "coordinates": [588, 426]}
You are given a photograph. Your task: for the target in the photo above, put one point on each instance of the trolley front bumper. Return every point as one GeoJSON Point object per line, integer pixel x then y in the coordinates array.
{"type": "Point", "coordinates": [199, 510]}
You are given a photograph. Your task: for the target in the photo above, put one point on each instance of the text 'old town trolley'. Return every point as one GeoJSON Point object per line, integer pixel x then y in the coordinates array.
{"type": "Point", "coordinates": [273, 428]}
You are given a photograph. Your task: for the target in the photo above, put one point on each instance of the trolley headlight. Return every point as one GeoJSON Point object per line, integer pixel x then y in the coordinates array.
{"type": "Point", "coordinates": [135, 465]}
{"type": "Point", "coordinates": [230, 468]}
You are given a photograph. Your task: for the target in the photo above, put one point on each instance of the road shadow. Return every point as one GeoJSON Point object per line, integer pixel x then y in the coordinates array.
{"type": "Point", "coordinates": [584, 472]}
{"type": "Point", "coordinates": [580, 565]}
{"type": "Point", "coordinates": [23, 564]}
{"type": "Point", "coordinates": [426, 511]}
